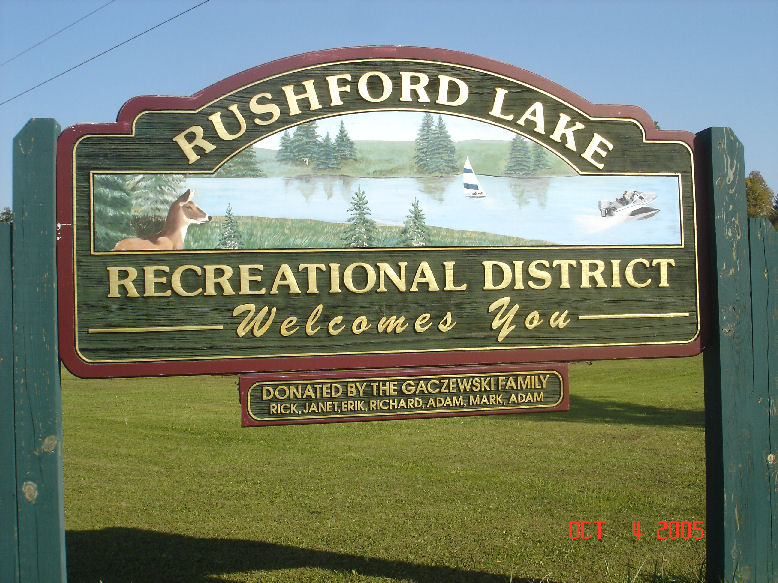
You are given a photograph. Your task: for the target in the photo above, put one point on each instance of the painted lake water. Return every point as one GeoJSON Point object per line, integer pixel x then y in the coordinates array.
{"type": "Point", "coordinates": [562, 210]}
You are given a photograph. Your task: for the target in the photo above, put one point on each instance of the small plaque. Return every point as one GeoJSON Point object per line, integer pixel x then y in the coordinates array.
{"type": "Point", "coordinates": [371, 396]}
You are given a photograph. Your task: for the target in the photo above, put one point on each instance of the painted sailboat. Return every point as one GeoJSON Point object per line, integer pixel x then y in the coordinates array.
{"type": "Point", "coordinates": [633, 204]}
{"type": "Point", "coordinates": [470, 182]}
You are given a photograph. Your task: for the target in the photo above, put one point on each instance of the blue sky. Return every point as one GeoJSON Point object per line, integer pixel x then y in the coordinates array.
{"type": "Point", "coordinates": [689, 64]}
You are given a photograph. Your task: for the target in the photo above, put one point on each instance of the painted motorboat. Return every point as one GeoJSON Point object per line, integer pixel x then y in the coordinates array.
{"type": "Point", "coordinates": [631, 204]}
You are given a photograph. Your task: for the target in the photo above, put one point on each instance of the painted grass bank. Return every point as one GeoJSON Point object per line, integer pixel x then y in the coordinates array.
{"type": "Point", "coordinates": [161, 484]}
{"type": "Point", "coordinates": [274, 233]}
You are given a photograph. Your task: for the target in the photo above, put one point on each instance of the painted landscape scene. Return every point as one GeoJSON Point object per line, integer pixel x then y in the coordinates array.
{"type": "Point", "coordinates": [393, 179]}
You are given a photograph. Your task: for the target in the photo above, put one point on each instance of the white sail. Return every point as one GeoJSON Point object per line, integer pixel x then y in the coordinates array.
{"type": "Point", "coordinates": [470, 181]}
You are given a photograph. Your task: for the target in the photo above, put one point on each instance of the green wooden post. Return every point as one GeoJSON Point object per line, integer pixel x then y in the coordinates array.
{"type": "Point", "coordinates": [764, 301]}
{"type": "Point", "coordinates": [9, 545]}
{"type": "Point", "coordinates": [37, 390]}
{"type": "Point", "coordinates": [739, 510]}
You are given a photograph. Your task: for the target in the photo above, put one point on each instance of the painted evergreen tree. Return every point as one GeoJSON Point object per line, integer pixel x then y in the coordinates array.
{"type": "Point", "coordinates": [326, 157]}
{"type": "Point", "coordinates": [344, 146]}
{"type": "Point", "coordinates": [423, 152]}
{"type": "Point", "coordinates": [285, 151]}
{"type": "Point", "coordinates": [361, 229]}
{"type": "Point", "coordinates": [520, 162]}
{"type": "Point", "coordinates": [244, 164]}
{"type": "Point", "coordinates": [305, 143]}
{"type": "Point", "coordinates": [414, 232]}
{"type": "Point", "coordinates": [540, 161]}
{"type": "Point", "coordinates": [112, 205]}
{"type": "Point", "coordinates": [152, 194]}
{"type": "Point", "coordinates": [443, 151]}
{"type": "Point", "coordinates": [229, 238]}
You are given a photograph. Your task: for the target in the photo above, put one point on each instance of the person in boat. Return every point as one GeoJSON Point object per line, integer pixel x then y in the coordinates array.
{"type": "Point", "coordinates": [631, 196]}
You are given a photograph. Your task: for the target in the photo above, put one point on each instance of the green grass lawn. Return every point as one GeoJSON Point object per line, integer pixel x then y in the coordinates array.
{"type": "Point", "coordinates": [162, 484]}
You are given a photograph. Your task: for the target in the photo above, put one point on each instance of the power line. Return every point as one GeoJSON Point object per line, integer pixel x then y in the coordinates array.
{"type": "Point", "coordinates": [51, 36]}
{"type": "Point", "coordinates": [90, 59]}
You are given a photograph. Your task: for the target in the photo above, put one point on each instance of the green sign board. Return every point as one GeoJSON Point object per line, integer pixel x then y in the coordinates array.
{"type": "Point", "coordinates": [374, 207]}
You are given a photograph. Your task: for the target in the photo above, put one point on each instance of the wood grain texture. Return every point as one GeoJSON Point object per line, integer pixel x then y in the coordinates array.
{"type": "Point", "coordinates": [9, 540]}
{"type": "Point", "coordinates": [763, 240]}
{"type": "Point", "coordinates": [37, 392]}
{"type": "Point", "coordinates": [738, 376]}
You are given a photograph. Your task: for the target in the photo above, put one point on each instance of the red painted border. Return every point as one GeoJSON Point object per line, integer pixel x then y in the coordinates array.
{"type": "Point", "coordinates": [137, 105]}
{"type": "Point", "coordinates": [248, 380]}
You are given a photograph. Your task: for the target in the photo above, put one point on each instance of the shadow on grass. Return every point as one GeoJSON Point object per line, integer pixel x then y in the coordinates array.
{"type": "Point", "coordinates": [124, 555]}
{"type": "Point", "coordinates": [624, 413]}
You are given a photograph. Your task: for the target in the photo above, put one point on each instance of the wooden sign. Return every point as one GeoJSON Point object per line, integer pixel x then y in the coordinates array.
{"type": "Point", "coordinates": [367, 396]}
{"type": "Point", "coordinates": [374, 207]}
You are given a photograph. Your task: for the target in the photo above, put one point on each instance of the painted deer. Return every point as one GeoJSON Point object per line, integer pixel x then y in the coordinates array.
{"type": "Point", "coordinates": [183, 212]}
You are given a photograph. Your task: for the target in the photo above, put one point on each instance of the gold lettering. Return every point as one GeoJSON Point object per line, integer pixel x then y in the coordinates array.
{"type": "Point", "coordinates": [392, 323]}
{"type": "Point", "coordinates": [489, 284]}
{"type": "Point", "coordinates": [254, 325]}
{"type": "Point", "coordinates": [309, 94]}
{"type": "Point", "coordinates": [150, 279]}
{"type": "Point", "coordinates": [567, 131]}
{"type": "Point", "coordinates": [534, 113]}
{"type": "Point", "coordinates": [218, 125]}
{"type": "Point", "coordinates": [288, 326]}
{"type": "Point", "coordinates": [499, 97]}
{"type": "Point", "coordinates": [587, 273]}
{"type": "Point", "coordinates": [594, 148]}
{"type": "Point", "coordinates": [223, 280]}
{"type": "Point", "coordinates": [449, 271]}
{"type": "Point", "coordinates": [315, 314]}
{"type": "Point", "coordinates": [407, 86]}
{"type": "Point", "coordinates": [334, 278]}
{"type": "Point", "coordinates": [629, 273]}
{"type": "Point", "coordinates": [284, 276]}
{"type": "Point", "coordinates": [175, 280]}
{"type": "Point", "coordinates": [663, 263]}
{"type": "Point", "coordinates": [397, 280]}
{"type": "Point", "coordinates": [246, 278]}
{"type": "Point", "coordinates": [421, 325]}
{"type": "Point", "coordinates": [447, 323]}
{"type": "Point", "coordinates": [311, 268]}
{"type": "Point", "coordinates": [188, 148]}
{"type": "Point", "coordinates": [443, 91]}
{"type": "Point", "coordinates": [558, 320]}
{"type": "Point", "coordinates": [518, 268]}
{"type": "Point", "coordinates": [503, 321]}
{"type": "Point", "coordinates": [114, 282]}
{"type": "Point", "coordinates": [424, 275]}
{"type": "Point", "coordinates": [533, 271]}
{"type": "Point", "coordinates": [348, 279]}
{"type": "Point", "coordinates": [333, 328]}
{"type": "Point", "coordinates": [360, 325]}
{"type": "Point", "coordinates": [533, 320]}
{"type": "Point", "coordinates": [336, 89]}
{"type": "Point", "coordinates": [386, 85]}
{"type": "Point", "coordinates": [564, 271]}
{"type": "Point", "coordinates": [615, 273]}
{"type": "Point", "coordinates": [260, 109]}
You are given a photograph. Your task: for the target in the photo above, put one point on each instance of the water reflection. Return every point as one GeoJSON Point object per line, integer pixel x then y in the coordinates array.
{"type": "Point", "coordinates": [435, 186]}
{"type": "Point", "coordinates": [559, 209]}
{"type": "Point", "coordinates": [525, 191]}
